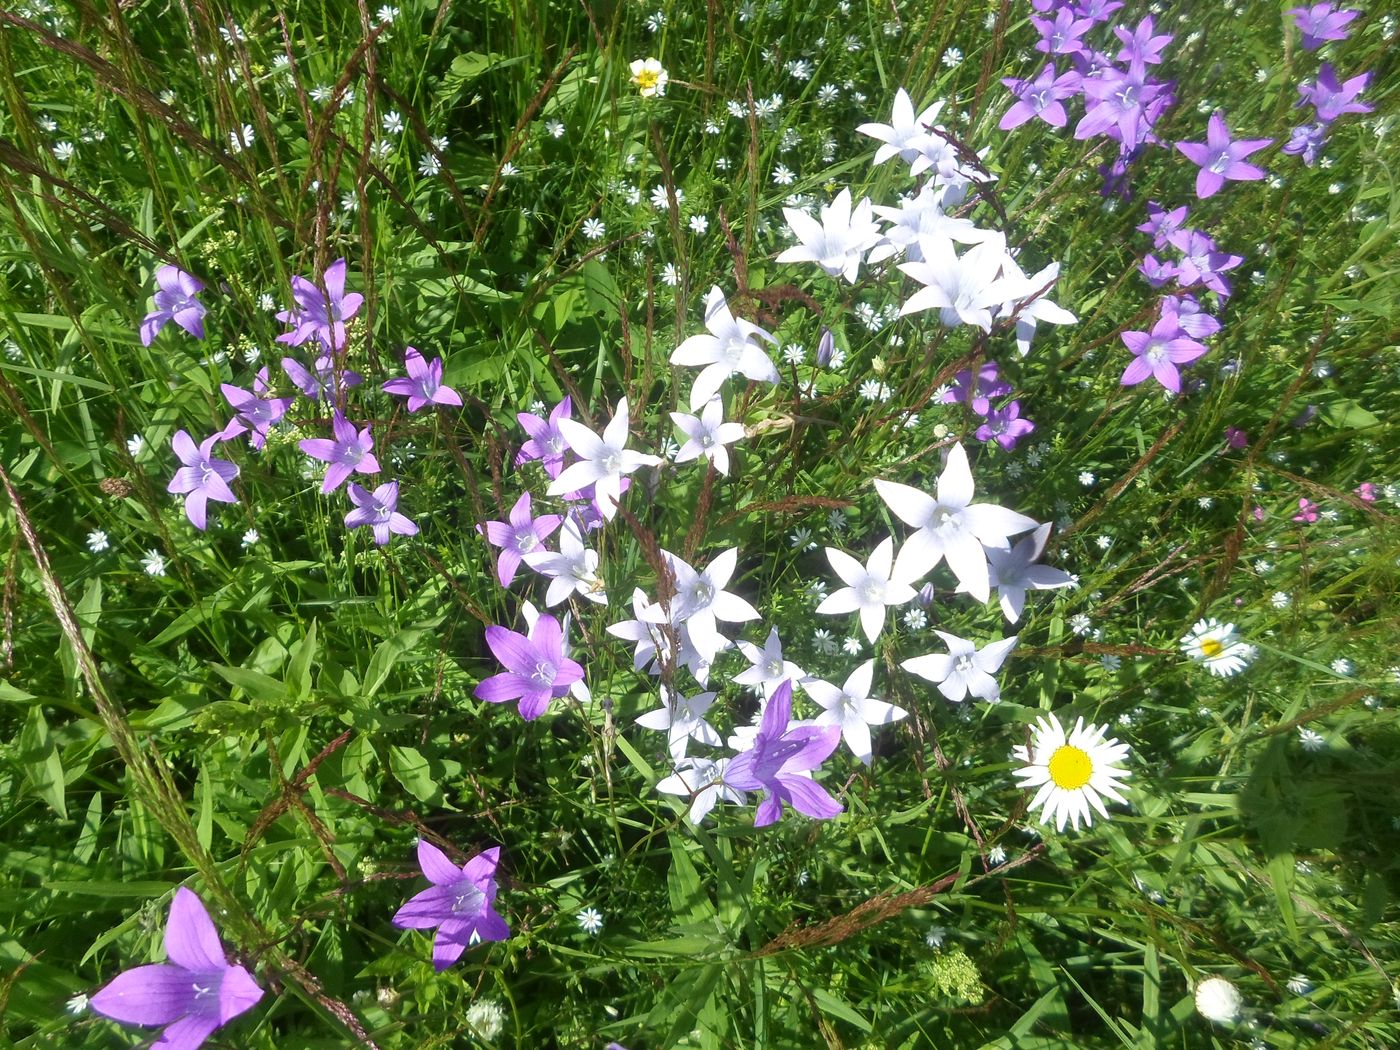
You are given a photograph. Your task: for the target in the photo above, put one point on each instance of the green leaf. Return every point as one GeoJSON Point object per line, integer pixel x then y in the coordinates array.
{"type": "Point", "coordinates": [42, 765]}
{"type": "Point", "coordinates": [830, 1004]}
{"type": "Point", "coordinates": [299, 668]}
{"type": "Point", "coordinates": [386, 654]}
{"type": "Point", "coordinates": [257, 685]}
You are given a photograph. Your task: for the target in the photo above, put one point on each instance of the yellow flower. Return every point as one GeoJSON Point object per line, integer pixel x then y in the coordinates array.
{"type": "Point", "coordinates": [650, 77]}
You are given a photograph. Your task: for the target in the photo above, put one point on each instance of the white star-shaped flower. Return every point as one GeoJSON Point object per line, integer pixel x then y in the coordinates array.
{"type": "Point", "coordinates": [904, 136]}
{"type": "Point", "coordinates": [574, 570]}
{"type": "Point", "coordinates": [682, 719]}
{"type": "Point", "coordinates": [602, 462]}
{"type": "Point", "coordinates": [1037, 309]}
{"type": "Point", "coordinates": [701, 601]}
{"type": "Point", "coordinates": [965, 669]}
{"type": "Point", "coordinates": [920, 220]}
{"type": "Point", "coordinates": [769, 669]}
{"type": "Point", "coordinates": [707, 434]}
{"type": "Point", "coordinates": [853, 709]}
{"type": "Point", "coordinates": [839, 241]}
{"type": "Point", "coordinates": [703, 780]}
{"type": "Point", "coordinates": [951, 526]}
{"type": "Point", "coordinates": [962, 288]}
{"type": "Point", "coordinates": [868, 589]}
{"type": "Point", "coordinates": [1014, 572]}
{"type": "Point", "coordinates": [646, 631]}
{"type": "Point", "coordinates": [729, 348]}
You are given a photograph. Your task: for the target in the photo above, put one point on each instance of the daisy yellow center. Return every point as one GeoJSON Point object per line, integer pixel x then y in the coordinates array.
{"type": "Point", "coordinates": [1211, 648]}
{"type": "Point", "coordinates": [1070, 767]}
{"type": "Point", "coordinates": [646, 79]}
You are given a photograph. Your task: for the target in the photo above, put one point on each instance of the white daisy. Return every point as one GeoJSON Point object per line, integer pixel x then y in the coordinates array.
{"type": "Point", "coordinates": [1072, 773]}
{"type": "Point", "coordinates": [1216, 645]}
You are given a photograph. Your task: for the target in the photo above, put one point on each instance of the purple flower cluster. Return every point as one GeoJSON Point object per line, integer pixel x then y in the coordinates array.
{"type": "Point", "coordinates": [1122, 98]}
{"type": "Point", "coordinates": [320, 314]}
{"type": "Point", "coordinates": [1329, 98]}
{"type": "Point", "coordinates": [1002, 424]}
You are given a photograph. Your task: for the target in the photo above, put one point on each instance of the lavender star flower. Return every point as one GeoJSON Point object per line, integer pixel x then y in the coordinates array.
{"type": "Point", "coordinates": [1221, 158]}
{"type": "Point", "coordinates": [1332, 99]}
{"type": "Point", "coordinates": [1014, 572]}
{"type": "Point", "coordinates": [976, 391]}
{"type": "Point", "coordinates": [536, 669]}
{"type": "Point", "coordinates": [175, 301]}
{"type": "Point", "coordinates": [519, 536]}
{"type": "Point", "coordinates": [1060, 35]}
{"type": "Point", "coordinates": [1321, 23]}
{"type": "Point", "coordinates": [706, 435]}
{"type": "Point", "coordinates": [682, 719]}
{"type": "Point", "coordinates": [965, 669]}
{"type": "Point", "coordinates": [869, 588]}
{"type": "Point", "coordinates": [1306, 141]}
{"type": "Point", "coordinates": [1126, 105]}
{"type": "Point", "coordinates": [546, 442]}
{"type": "Point", "coordinates": [202, 477]}
{"type": "Point", "coordinates": [768, 669]}
{"type": "Point", "coordinates": [348, 453]}
{"type": "Point", "coordinates": [780, 761]}
{"type": "Point", "coordinates": [1194, 321]}
{"type": "Point", "coordinates": [1202, 262]}
{"type": "Point", "coordinates": [963, 289]}
{"type": "Point", "coordinates": [1142, 44]}
{"type": "Point", "coordinates": [254, 413]}
{"type": "Point", "coordinates": [320, 314]}
{"type": "Point", "coordinates": [1158, 272]}
{"type": "Point", "coordinates": [424, 383]}
{"type": "Point", "coordinates": [459, 903]}
{"type": "Point", "coordinates": [380, 511]}
{"type": "Point", "coordinates": [1005, 426]}
{"type": "Point", "coordinates": [1157, 354]}
{"type": "Point", "coordinates": [326, 383]}
{"type": "Point", "coordinates": [193, 994]}
{"type": "Point", "coordinates": [1161, 223]}
{"type": "Point", "coordinates": [1041, 98]}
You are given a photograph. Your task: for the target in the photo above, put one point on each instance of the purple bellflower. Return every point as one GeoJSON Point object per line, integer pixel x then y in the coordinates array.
{"type": "Point", "coordinates": [1041, 98]}
{"type": "Point", "coordinates": [1306, 141]}
{"type": "Point", "coordinates": [977, 391]}
{"type": "Point", "coordinates": [347, 453]}
{"type": "Point", "coordinates": [780, 763]}
{"type": "Point", "coordinates": [1221, 158]}
{"type": "Point", "coordinates": [255, 413]}
{"type": "Point", "coordinates": [175, 301]}
{"type": "Point", "coordinates": [536, 669]}
{"type": "Point", "coordinates": [1321, 23]}
{"type": "Point", "coordinates": [320, 314]}
{"type": "Point", "coordinates": [1060, 35]}
{"type": "Point", "coordinates": [202, 477]}
{"type": "Point", "coordinates": [517, 537]}
{"type": "Point", "coordinates": [1332, 99]}
{"type": "Point", "coordinates": [1142, 44]}
{"type": "Point", "coordinates": [325, 382]}
{"type": "Point", "coordinates": [1157, 271]}
{"type": "Point", "coordinates": [424, 383]}
{"type": "Point", "coordinates": [1202, 262]}
{"type": "Point", "coordinates": [546, 442]}
{"type": "Point", "coordinates": [379, 510]}
{"type": "Point", "coordinates": [1125, 106]}
{"type": "Point", "coordinates": [1158, 353]}
{"type": "Point", "coordinates": [1096, 10]}
{"type": "Point", "coordinates": [459, 903]}
{"type": "Point", "coordinates": [193, 994]}
{"type": "Point", "coordinates": [1194, 321]}
{"type": "Point", "coordinates": [1005, 426]}
{"type": "Point", "coordinates": [1161, 223]}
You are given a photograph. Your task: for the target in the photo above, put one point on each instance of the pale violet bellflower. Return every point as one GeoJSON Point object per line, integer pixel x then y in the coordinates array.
{"type": "Point", "coordinates": [906, 134]}
{"type": "Point", "coordinates": [682, 719]}
{"type": "Point", "coordinates": [706, 435]}
{"type": "Point", "coordinates": [869, 588]}
{"type": "Point", "coordinates": [853, 709]}
{"type": "Point", "coordinates": [730, 347]}
{"type": "Point", "coordinates": [918, 220]}
{"type": "Point", "coordinates": [768, 669]}
{"type": "Point", "coordinates": [602, 461]}
{"type": "Point", "coordinates": [573, 570]}
{"type": "Point", "coordinates": [1026, 301]}
{"type": "Point", "coordinates": [701, 601]}
{"type": "Point", "coordinates": [964, 289]}
{"type": "Point", "coordinates": [839, 241]}
{"type": "Point", "coordinates": [964, 669]}
{"type": "Point", "coordinates": [653, 638]}
{"type": "Point", "coordinates": [703, 780]}
{"type": "Point", "coordinates": [950, 526]}
{"type": "Point", "coordinates": [1014, 572]}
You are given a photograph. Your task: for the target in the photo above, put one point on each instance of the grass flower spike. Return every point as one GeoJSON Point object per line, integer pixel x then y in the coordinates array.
{"type": "Point", "coordinates": [1072, 773]}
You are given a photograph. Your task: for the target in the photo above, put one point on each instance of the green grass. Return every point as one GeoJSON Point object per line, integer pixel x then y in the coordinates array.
{"type": "Point", "coordinates": [273, 723]}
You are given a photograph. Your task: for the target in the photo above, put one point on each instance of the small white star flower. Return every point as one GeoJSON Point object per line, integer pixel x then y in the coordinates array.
{"type": "Point", "coordinates": [1218, 1000]}
{"type": "Point", "coordinates": [590, 920]}
{"type": "Point", "coordinates": [250, 538]}
{"type": "Point", "coordinates": [97, 541]}
{"type": "Point", "coordinates": [1311, 740]}
{"type": "Point", "coordinates": [153, 563]}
